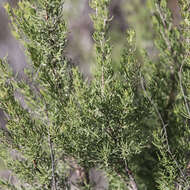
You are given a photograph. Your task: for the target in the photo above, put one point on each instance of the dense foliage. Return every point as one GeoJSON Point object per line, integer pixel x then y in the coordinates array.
{"type": "Point", "coordinates": [132, 120]}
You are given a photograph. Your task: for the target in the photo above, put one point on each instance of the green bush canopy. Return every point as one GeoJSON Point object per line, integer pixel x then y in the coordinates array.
{"type": "Point", "coordinates": [131, 119]}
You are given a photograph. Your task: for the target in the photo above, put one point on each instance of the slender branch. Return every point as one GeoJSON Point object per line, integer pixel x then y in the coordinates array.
{"type": "Point", "coordinates": [173, 63]}
{"type": "Point", "coordinates": [54, 187]}
{"type": "Point", "coordinates": [52, 163]}
{"type": "Point", "coordinates": [52, 155]}
{"type": "Point", "coordinates": [128, 183]}
{"type": "Point", "coordinates": [102, 81]}
{"type": "Point", "coordinates": [132, 182]}
{"type": "Point", "coordinates": [164, 128]}
{"type": "Point", "coordinates": [152, 102]}
{"type": "Point", "coordinates": [182, 90]}
{"type": "Point", "coordinates": [165, 26]}
{"type": "Point", "coordinates": [186, 105]}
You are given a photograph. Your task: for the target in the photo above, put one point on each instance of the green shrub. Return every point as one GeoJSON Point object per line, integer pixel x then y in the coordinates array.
{"type": "Point", "coordinates": [132, 122]}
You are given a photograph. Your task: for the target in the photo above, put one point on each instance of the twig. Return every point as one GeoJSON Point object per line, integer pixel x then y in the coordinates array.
{"type": "Point", "coordinates": [173, 55]}
{"type": "Point", "coordinates": [54, 187]}
{"type": "Point", "coordinates": [102, 81]}
{"type": "Point", "coordinates": [151, 101]}
{"type": "Point", "coordinates": [165, 26]}
{"type": "Point", "coordinates": [124, 179]}
{"type": "Point", "coordinates": [52, 156]}
{"type": "Point", "coordinates": [163, 126]}
{"type": "Point", "coordinates": [182, 90]}
{"type": "Point", "coordinates": [132, 182]}
{"type": "Point", "coordinates": [52, 163]}
{"type": "Point", "coordinates": [186, 105]}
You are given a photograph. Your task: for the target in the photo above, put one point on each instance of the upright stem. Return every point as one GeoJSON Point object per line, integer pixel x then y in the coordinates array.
{"type": "Point", "coordinates": [53, 187]}
{"type": "Point", "coordinates": [52, 163]}
{"type": "Point", "coordinates": [132, 182]}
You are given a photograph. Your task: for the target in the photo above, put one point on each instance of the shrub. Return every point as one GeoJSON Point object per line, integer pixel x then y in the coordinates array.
{"type": "Point", "coordinates": [132, 122]}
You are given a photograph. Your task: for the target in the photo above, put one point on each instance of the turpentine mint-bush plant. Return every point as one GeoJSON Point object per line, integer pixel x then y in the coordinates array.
{"type": "Point", "coordinates": [34, 130]}
{"type": "Point", "coordinates": [132, 122]}
{"type": "Point", "coordinates": [167, 90]}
